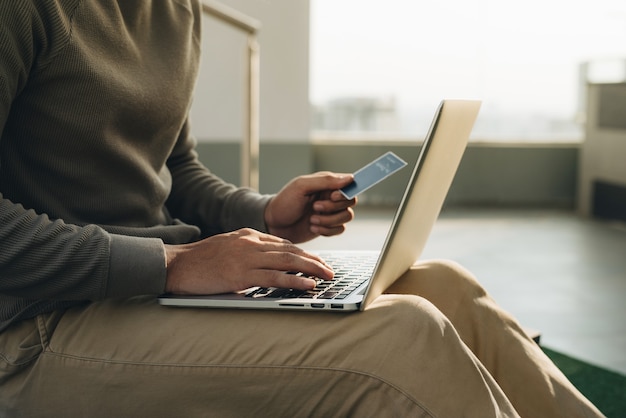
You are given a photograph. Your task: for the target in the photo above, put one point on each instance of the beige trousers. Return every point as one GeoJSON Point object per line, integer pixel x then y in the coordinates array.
{"type": "Point", "coordinates": [435, 346]}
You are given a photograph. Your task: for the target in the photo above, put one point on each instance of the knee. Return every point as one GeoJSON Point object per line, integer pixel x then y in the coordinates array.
{"type": "Point", "coordinates": [443, 268]}
{"type": "Point", "coordinates": [450, 275]}
{"type": "Point", "coordinates": [404, 316]}
{"type": "Point", "coordinates": [448, 285]}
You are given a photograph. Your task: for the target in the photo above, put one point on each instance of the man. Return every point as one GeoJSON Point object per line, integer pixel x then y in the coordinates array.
{"type": "Point", "coordinates": [104, 205]}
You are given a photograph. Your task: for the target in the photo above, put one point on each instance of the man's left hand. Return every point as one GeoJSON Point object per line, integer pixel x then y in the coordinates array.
{"type": "Point", "coordinates": [310, 206]}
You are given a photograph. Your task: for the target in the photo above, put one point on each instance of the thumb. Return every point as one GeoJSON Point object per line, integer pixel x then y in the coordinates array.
{"type": "Point", "coordinates": [325, 180]}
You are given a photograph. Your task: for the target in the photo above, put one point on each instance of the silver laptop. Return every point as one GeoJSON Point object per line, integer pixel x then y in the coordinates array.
{"type": "Point", "coordinates": [362, 276]}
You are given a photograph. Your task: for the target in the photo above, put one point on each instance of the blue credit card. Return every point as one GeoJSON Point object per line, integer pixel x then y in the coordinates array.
{"type": "Point", "coordinates": [373, 173]}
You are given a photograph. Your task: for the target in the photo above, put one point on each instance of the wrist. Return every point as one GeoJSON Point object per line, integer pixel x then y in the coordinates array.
{"type": "Point", "coordinates": [268, 219]}
{"type": "Point", "coordinates": [171, 253]}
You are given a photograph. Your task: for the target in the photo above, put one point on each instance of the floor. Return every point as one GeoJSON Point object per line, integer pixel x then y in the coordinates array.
{"type": "Point", "coordinates": [556, 272]}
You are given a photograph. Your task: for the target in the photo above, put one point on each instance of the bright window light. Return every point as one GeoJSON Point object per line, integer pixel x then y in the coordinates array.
{"type": "Point", "coordinates": [382, 66]}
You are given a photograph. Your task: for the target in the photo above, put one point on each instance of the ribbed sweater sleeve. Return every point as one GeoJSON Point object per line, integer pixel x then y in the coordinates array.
{"type": "Point", "coordinates": [200, 198]}
{"type": "Point", "coordinates": [34, 248]}
{"type": "Point", "coordinates": [46, 261]}
{"type": "Point", "coordinates": [36, 252]}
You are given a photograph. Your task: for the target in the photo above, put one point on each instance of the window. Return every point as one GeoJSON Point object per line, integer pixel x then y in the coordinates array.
{"type": "Point", "coordinates": [381, 67]}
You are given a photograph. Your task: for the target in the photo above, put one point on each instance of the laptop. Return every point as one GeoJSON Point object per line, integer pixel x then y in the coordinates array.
{"type": "Point", "coordinates": [362, 276]}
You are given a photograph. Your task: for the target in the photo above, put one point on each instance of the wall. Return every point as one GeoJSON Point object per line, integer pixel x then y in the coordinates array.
{"type": "Point", "coordinates": [602, 186]}
{"type": "Point", "coordinates": [489, 175]}
{"type": "Point", "coordinates": [218, 110]}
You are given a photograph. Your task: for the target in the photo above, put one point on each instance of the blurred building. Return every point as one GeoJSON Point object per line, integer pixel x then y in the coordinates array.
{"type": "Point", "coordinates": [356, 114]}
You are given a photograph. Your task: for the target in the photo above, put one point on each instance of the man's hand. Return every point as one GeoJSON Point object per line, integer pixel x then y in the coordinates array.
{"type": "Point", "coordinates": [305, 208]}
{"type": "Point", "coordinates": [310, 206]}
{"type": "Point", "coordinates": [238, 260]}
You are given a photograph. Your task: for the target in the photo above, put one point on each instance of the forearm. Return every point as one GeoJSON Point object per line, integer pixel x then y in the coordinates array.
{"type": "Point", "coordinates": [45, 259]}
{"type": "Point", "coordinates": [199, 197]}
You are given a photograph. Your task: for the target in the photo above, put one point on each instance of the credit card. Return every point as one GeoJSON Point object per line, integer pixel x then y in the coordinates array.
{"type": "Point", "coordinates": [373, 173]}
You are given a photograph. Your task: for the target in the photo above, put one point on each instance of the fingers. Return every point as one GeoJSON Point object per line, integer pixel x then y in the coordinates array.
{"type": "Point", "coordinates": [332, 214]}
{"type": "Point", "coordinates": [337, 202]}
{"type": "Point", "coordinates": [285, 280]}
{"type": "Point", "coordinates": [239, 260]}
{"type": "Point", "coordinates": [323, 180]}
{"type": "Point", "coordinates": [331, 224]}
{"type": "Point", "coordinates": [274, 256]}
{"type": "Point", "coordinates": [288, 257]}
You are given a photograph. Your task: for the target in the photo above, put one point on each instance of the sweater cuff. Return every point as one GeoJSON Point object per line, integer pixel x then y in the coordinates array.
{"type": "Point", "coordinates": [137, 266]}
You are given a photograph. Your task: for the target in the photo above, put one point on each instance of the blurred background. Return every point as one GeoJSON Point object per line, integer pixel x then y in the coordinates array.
{"type": "Point", "coordinates": [538, 207]}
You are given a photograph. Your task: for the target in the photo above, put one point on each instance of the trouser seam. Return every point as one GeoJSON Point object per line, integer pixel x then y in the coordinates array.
{"type": "Point", "coordinates": [251, 366]}
{"type": "Point", "coordinates": [44, 333]}
{"type": "Point", "coordinates": [12, 363]}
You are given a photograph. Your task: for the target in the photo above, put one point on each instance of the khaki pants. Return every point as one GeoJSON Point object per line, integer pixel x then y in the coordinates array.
{"type": "Point", "coordinates": [435, 346]}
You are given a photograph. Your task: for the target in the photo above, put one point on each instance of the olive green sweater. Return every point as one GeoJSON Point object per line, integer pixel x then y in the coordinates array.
{"type": "Point", "coordinates": [97, 163]}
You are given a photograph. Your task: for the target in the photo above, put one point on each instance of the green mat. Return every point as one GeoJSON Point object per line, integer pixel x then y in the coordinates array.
{"type": "Point", "coordinates": [604, 388]}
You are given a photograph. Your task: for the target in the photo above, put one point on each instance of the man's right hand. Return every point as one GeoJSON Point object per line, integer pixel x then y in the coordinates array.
{"type": "Point", "coordinates": [238, 260]}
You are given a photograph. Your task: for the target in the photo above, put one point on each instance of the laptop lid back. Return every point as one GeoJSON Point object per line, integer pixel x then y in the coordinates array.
{"type": "Point", "coordinates": [424, 196]}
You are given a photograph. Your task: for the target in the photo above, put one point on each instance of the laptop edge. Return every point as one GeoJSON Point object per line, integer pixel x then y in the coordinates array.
{"type": "Point", "coordinates": [432, 175]}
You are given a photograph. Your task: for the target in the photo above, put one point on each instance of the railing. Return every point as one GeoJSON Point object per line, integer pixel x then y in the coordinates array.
{"type": "Point", "coordinates": [250, 145]}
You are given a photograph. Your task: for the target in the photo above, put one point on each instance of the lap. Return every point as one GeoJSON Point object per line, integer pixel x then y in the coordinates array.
{"type": "Point", "coordinates": [118, 329]}
{"type": "Point", "coordinates": [110, 326]}
{"type": "Point", "coordinates": [228, 361]}
{"type": "Point", "coordinates": [402, 349]}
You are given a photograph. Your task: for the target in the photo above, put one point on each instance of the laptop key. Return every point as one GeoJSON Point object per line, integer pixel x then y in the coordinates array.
{"type": "Point", "coordinates": [278, 293]}
{"type": "Point", "coordinates": [329, 294]}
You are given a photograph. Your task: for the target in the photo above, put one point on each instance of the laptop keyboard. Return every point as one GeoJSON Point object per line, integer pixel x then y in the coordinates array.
{"type": "Point", "coordinates": [350, 273]}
